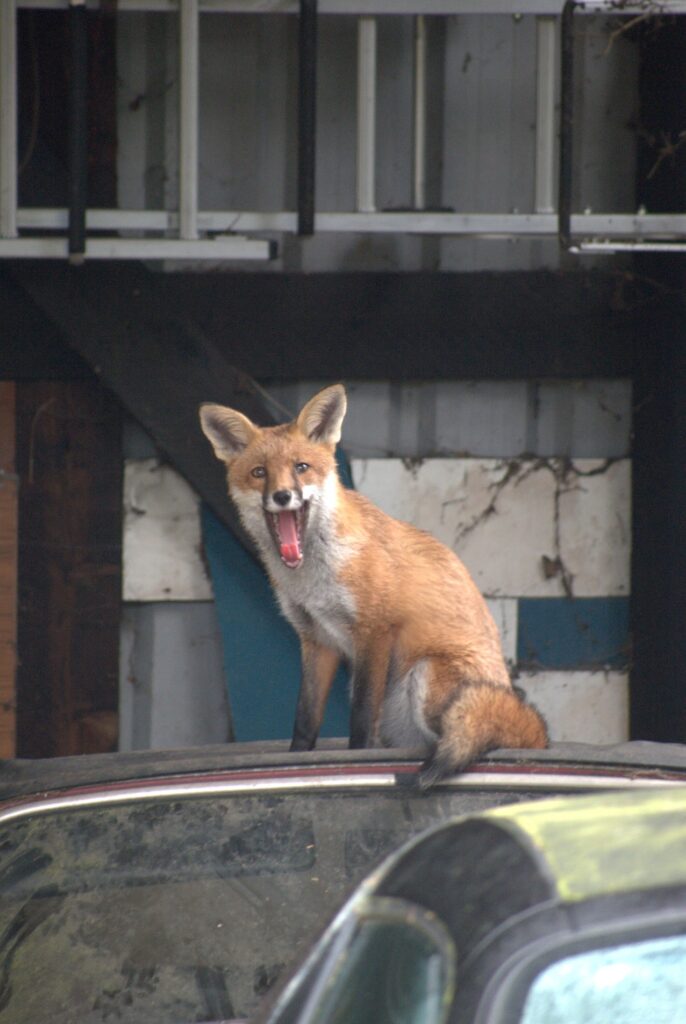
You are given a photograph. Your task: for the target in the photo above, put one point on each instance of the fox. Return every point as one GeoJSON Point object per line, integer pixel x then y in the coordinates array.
{"type": "Point", "coordinates": [398, 607]}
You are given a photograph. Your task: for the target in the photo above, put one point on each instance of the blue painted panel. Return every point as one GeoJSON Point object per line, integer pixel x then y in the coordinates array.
{"type": "Point", "coordinates": [582, 632]}
{"type": "Point", "coordinates": [261, 650]}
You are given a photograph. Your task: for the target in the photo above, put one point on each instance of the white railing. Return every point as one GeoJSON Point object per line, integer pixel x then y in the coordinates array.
{"type": "Point", "coordinates": [191, 233]}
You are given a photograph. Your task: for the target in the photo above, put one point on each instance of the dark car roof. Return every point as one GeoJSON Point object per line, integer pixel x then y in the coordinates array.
{"type": "Point", "coordinates": [24, 777]}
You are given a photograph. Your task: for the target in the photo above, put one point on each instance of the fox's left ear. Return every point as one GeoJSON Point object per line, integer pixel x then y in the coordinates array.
{"type": "Point", "coordinates": [321, 419]}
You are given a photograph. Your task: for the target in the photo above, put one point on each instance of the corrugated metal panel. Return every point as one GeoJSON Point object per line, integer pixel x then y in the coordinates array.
{"type": "Point", "coordinates": [575, 419]}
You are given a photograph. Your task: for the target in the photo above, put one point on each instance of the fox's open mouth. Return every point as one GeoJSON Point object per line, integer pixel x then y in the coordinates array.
{"type": "Point", "coordinates": [288, 530]}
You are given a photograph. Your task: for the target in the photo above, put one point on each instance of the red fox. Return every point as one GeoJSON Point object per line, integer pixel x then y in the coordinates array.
{"type": "Point", "coordinates": [401, 609]}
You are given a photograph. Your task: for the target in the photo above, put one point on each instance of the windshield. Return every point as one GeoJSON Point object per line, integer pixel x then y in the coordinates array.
{"type": "Point", "coordinates": [178, 910]}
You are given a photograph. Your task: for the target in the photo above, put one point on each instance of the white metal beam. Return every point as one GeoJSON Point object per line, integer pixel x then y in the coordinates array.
{"type": "Point", "coordinates": [233, 248]}
{"type": "Point", "coordinates": [544, 187]}
{"type": "Point", "coordinates": [419, 112]}
{"type": "Point", "coordinates": [366, 115]}
{"type": "Point", "coordinates": [8, 119]}
{"type": "Point", "coordinates": [610, 245]}
{"type": "Point", "coordinates": [592, 225]}
{"type": "Point", "coordinates": [360, 8]}
{"type": "Point", "coordinates": [189, 44]}
{"type": "Point", "coordinates": [370, 8]}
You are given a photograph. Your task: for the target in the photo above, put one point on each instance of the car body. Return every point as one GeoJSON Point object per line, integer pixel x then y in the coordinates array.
{"type": "Point", "coordinates": [563, 911]}
{"type": "Point", "coordinates": [178, 886]}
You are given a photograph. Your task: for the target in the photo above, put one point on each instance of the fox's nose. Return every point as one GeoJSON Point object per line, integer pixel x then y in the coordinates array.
{"type": "Point", "coordinates": [282, 498]}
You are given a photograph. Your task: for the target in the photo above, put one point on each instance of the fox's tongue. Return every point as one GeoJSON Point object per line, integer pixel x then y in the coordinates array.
{"type": "Point", "coordinates": [289, 545]}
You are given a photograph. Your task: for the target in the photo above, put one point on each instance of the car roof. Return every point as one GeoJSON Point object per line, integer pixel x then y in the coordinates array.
{"type": "Point", "coordinates": [538, 872]}
{"type": "Point", "coordinates": [604, 844]}
{"type": "Point", "coordinates": [565, 850]}
{"type": "Point", "coordinates": [25, 777]}
{"type": "Point", "coordinates": [514, 883]}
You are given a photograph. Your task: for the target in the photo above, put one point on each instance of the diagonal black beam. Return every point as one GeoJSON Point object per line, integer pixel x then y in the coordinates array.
{"type": "Point", "coordinates": [156, 361]}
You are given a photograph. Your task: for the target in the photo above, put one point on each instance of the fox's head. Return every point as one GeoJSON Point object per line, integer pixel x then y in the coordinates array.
{"type": "Point", "coordinates": [280, 478]}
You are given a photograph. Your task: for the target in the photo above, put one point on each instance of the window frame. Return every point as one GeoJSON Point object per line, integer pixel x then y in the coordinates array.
{"type": "Point", "coordinates": [388, 910]}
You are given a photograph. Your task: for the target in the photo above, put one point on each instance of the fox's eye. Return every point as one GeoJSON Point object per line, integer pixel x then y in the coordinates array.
{"type": "Point", "coordinates": [302, 467]}
{"type": "Point", "coordinates": [259, 472]}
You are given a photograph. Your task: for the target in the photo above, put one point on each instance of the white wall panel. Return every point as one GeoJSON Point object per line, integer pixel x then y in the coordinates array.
{"type": "Point", "coordinates": [162, 542]}
{"type": "Point", "coordinates": [595, 526]}
{"type": "Point", "coordinates": [504, 611]}
{"type": "Point", "coordinates": [504, 517]}
{"type": "Point", "coordinates": [501, 517]}
{"type": "Point", "coordinates": [172, 687]}
{"type": "Point", "coordinates": [583, 707]}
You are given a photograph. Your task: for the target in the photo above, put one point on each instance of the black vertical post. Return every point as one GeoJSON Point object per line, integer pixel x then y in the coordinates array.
{"type": "Point", "coordinates": [658, 583]}
{"type": "Point", "coordinates": [307, 95]}
{"type": "Point", "coordinates": [658, 578]}
{"type": "Point", "coordinates": [564, 207]}
{"type": "Point", "coordinates": [78, 130]}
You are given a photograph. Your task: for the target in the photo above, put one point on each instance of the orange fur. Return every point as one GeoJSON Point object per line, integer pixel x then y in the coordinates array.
{"type": "Point", "coordinates": [398, 606]}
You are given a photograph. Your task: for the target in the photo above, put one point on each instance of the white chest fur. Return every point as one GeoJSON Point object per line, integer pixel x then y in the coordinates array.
{"type": "Point", "coordinates": [315, 602]}
{"type": "Point", "coordinates": [311, 596]}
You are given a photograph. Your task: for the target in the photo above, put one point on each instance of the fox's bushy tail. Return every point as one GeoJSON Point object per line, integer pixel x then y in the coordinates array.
{"type": "Point", "coordinates": [481, 717]}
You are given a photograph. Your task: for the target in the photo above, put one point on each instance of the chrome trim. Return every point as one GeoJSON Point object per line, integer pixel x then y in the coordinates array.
{"type": "Point", "coordinates": [127, 793]}
{"type": "Point", "coordinates": [179, 790]}
{"type": "Point", "coordinates": [541, 780]}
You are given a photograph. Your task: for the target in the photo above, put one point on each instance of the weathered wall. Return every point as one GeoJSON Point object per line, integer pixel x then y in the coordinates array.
{"type": "Point", "coordinates": [544, 526]}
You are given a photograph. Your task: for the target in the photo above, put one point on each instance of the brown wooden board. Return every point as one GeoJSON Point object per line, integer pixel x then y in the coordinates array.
{"type": "Point", "coordinates": [69, 462]}
{"type": "Point", "coordinates": [8, 572]}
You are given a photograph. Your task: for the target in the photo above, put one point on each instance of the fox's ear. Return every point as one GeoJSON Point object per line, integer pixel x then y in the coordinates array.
{"type": "Point", "coordinates": [228, 431]}
{"type": "Point", "coordinates": [321, 419]}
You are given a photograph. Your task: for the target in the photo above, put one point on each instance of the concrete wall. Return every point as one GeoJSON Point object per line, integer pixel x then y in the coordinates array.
{"type": "Point", "coordinates": [530, 485]}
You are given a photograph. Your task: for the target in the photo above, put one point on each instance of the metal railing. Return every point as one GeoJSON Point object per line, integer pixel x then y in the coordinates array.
{"type": "Point", "coordinates": [191, 233]}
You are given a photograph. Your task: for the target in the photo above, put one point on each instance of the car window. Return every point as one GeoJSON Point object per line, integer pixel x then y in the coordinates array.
{"type": "Point", "coordinates": [176, 910]}
{"type": "Point", "coordinates": [637, 983]}
{"type": "Point", "coordinates": [397, 968]}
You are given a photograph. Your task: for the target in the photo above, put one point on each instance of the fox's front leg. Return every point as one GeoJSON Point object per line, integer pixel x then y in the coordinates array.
{"type": "Point", "coordinates": [319, 666]}
{"type": "Point", "coordinates": [369, 682]}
